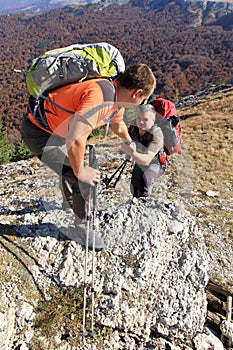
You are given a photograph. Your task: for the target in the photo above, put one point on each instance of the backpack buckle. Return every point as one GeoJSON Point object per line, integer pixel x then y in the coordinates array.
{"type": "Point", "coordinates": [162, 157]}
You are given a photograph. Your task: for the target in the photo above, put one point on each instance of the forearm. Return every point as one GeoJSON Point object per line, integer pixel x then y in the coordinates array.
{"type": "Point", "coordinates": [76, 147]}
{"type": "Point", "coordinates": [121, 130]}
{"type": "Point", "coordinates": [76, 156]}
{"type": "Point", "coordinates": [142, 158]}
{"type": "Point", "coordinates": [84, 173]}
{"type": "Point", "coordinates": [147, 157]}
{"type": "Point", "coordinates": [139, 157]}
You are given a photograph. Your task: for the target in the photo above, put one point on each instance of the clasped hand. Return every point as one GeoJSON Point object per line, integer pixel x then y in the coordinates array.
{"type": "Point", "coordinates": [129, 149]}
{"type": "Point", "coordinates": [89, 175]}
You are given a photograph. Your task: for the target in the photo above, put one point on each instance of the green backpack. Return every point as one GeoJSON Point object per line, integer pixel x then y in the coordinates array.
{"type": "Point", "coordinates": [74, 63]}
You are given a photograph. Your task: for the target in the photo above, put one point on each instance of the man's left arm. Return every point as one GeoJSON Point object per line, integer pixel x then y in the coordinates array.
{"type": "Point", "coordinates": [146, 157]}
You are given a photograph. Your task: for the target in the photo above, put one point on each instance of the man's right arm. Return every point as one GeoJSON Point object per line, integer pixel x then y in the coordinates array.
{"type": "Point", "coordinates": [76, 145]}
{"type": "Point", "coordinates": [121, 130]}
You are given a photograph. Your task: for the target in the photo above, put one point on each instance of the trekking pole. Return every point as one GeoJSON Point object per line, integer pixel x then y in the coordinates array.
{"type": "Point", "coordinates": [91, 195]}
{"type": "Point", "coordinates": [88, 209]}
{"type": "Point", "coordinates": [120, 170]}
{"type": "Point", "coordinates": [93, 164]}
{"type": "Point", "coordinates": [120, 173]}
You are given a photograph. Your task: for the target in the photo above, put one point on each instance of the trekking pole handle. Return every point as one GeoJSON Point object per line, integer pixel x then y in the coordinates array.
{"type": "Point", "coordinates": [93, 162]}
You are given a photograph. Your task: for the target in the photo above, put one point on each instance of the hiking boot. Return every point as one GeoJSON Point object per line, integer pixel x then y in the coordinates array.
{"type": "Point", "coordinates": [81, 234]}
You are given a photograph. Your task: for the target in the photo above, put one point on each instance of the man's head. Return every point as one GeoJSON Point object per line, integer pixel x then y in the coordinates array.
{"type": "Point", "coordinates": [146, 117]}
{"type": "Point", "coordinates": [135, 85]}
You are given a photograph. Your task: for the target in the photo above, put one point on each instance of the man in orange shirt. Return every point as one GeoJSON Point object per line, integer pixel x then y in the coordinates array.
{"type": "Point", "coordinates": [59, 137]}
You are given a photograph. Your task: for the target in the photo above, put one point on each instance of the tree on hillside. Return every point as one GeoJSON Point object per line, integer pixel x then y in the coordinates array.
{"type": "Point", "coordinates": [6, 148]}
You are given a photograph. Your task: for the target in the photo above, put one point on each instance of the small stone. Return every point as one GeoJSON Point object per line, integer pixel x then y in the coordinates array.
{"type": "Point", "coordinates": [210, 193]}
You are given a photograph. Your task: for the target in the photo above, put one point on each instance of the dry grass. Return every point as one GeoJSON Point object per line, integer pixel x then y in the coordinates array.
{"type": "Point", "coordinates": [207, 133]}
{"type": "Point", "coordinates": [15, 269]}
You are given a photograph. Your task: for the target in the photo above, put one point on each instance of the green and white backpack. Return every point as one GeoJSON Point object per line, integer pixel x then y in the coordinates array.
{"type": "Point", "coordinates": [74, 63]}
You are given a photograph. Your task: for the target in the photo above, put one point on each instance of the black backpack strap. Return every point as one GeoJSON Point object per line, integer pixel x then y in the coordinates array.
{"type": "Point", "coordinates": [67, 110]}
{"type": "Point", "coordinates": [56, 104]}
{"type": "Point", "coordinates": [36, 108]}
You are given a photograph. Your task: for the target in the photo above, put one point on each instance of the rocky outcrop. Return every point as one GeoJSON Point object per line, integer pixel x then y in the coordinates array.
{"type": "Point", "coordinates": [150, 282]}
{"type": "Point", "coordinates": [158, 259]}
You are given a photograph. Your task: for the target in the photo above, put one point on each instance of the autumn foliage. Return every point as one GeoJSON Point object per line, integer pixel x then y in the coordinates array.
{"type": "Point", "coordinates": [184, 58]}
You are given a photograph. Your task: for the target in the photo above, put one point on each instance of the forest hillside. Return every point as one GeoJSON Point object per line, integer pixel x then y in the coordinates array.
{"type": "Point", "coordinates": [188, 48]}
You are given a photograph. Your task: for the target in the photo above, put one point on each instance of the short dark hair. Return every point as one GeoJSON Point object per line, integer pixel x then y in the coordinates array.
{"type": "Point", "coordinates": [138, 76]}
{"type": "Point", "coordinates": [148, 108]}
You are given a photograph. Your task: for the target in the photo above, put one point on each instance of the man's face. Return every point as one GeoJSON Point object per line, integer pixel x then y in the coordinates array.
{"type": "Point", "coordinates": [145, 121]}
{"type": "Point", "coordinates": [142, 99]}
{"type": "Point", "coordinates": [136, 98]}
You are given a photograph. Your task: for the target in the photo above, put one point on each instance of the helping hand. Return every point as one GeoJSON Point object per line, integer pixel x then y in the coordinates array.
{"type": "Point", "coordinates": [128, 148]}
{"type": "Point", "coordinates": [128, 157]}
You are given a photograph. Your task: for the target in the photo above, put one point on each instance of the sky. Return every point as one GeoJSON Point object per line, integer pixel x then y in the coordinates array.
{"type": "Point", "coordinates": [9, 4]}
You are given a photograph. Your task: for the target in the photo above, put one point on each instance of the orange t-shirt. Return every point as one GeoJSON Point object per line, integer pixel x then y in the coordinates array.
{"type": "Point", "coordinates": [93, 100]}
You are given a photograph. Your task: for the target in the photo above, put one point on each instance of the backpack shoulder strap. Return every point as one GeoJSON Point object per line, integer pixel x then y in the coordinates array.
{"type": "Point", "coordinates": [72, 112]}
{"type": "Point", "coordinates": [56, 104]}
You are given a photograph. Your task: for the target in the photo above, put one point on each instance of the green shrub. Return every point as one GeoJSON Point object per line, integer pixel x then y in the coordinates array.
{"type": "Point", "coordinates": [21, 152]}
{"type": "Point", "coordinates": [97, 132]}
{"type": "Point", "coordinates": [130, 114]}
{"type": "Point", "coordinates": [9, 152]}
{"type": "Point", "coordinates": [6, 149]}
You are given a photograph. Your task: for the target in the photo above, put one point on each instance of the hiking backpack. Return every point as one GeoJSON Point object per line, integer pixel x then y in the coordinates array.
{"type": "Point", "coordinates": [169, 123]}
{"type": "Point", "coordinates": [62, 66]}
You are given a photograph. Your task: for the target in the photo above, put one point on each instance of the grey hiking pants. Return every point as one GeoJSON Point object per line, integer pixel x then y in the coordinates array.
{"type": "Point", "coordinates": [143, 178]}
{"type": "Point", "coordinates": [51, 150]}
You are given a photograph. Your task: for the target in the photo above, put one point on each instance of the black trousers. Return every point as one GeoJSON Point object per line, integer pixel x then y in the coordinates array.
{"type": "Point", "coordinates": [143, 178]}
{"type": "Point", "coordinates": [51, 150]}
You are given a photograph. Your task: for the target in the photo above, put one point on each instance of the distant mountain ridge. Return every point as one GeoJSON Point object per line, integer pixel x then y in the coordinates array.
{"type": "Point", "coordinates": [211, 9]}
{"type": "Point", "coordinates": [198, 13]}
